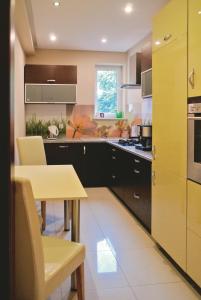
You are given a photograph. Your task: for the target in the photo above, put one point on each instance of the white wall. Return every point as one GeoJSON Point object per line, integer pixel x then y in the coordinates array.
{"type": "Point", "coordinates": [19, 109]}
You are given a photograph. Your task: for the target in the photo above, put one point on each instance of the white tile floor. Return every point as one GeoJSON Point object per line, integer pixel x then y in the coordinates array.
{"type": "Point", "coordinates": [122, 262]}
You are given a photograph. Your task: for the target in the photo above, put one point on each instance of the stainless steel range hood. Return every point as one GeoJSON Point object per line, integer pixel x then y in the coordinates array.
{"type": "Point", "coordinates": [130, 86]}
{"type": "Point", "coordinates": [134, 66]}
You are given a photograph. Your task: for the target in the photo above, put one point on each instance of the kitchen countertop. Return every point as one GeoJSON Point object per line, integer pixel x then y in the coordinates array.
{"type": "Point", "coordinates": [112, 141]}
{"type": "Point", "coordinates": [80, 140]}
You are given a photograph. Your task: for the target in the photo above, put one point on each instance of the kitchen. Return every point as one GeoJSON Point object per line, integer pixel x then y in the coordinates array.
{"type": "Point", "coordinates": [141, 221]}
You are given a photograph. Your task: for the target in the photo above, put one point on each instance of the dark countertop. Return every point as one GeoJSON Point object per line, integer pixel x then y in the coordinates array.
{"type": "Point", "coordinates": [112, 141]}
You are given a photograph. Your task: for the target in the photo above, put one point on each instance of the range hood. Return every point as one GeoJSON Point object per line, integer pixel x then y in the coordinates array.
{"type": "Point", "coordinates": [130, 86]}
{"type": "Point", "coordinates": [134, 66]}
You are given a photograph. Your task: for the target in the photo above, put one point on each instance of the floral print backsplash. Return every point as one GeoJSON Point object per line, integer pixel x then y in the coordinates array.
{"type": "Point", "coordinates": [80, 122]}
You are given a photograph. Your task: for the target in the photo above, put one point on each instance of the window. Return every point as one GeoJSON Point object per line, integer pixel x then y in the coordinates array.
{"type": "Point", "coordinates": [108, 92]}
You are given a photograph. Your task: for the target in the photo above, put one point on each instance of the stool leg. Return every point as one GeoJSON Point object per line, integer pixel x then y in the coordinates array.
{"type": "Point", "coordinates": [43, 214]}
{"type": "Point", "coordinates": [80, 282]}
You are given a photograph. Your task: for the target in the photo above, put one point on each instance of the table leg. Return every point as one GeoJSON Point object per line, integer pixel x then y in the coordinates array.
{"type": "Point", "coordinates": [75, 234]}
{"type": "Point", "coordinates": [66, 215]}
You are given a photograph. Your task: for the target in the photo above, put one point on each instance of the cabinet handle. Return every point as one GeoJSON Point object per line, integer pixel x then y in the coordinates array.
{"type": "Point", "coordinates": [137, 161]}
{"type": "Point", "coordinates": [51, 80]}
{"type": "Point", "coordinates": [84, 150]}
{"type": "Point", "coordinates": [114, 157]}
{"type": "Point", "coordinates": [136, 196]}
{"type": "Point", "coordinates": [63, 147]}
{"type": "Point", "coordinates": [136, 171]}
{"type": "Point", "coordinates": [113, 149]}
{"type": "Point", "coordinates": [153, 178]}
{"type": "Point", "coordinates": [191, 78]}
{"type": "Point", "coordinates": [167, 37]}
{"type": "Point", "coordinates": [113, 177]}
{"type": "Point", "coordinates": [154, 152]}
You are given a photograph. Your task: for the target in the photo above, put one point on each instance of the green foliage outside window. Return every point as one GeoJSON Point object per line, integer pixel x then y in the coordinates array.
{"type": "Point", "coordinates": [106, 91]}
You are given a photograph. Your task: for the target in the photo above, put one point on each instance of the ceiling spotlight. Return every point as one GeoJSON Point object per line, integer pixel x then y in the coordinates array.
{"type": "Point", "coordinates": [199, 12]}
{"type": "Point", "coordinates": [53, 37]}
{"type": "Point", "coordinates": [128, 8]}
{"type": "Point", "coordinates": [56, 3]}
{"type": "Point", "coordinates": [157, 43]}
{"type": "Point", "coordinates": [104, 40]}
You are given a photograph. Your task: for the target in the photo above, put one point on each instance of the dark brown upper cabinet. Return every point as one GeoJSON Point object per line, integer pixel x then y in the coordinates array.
{"type": "Point", "coordinates": [146, 56]}
{"type": "Point", "coordinates": [52, 74]}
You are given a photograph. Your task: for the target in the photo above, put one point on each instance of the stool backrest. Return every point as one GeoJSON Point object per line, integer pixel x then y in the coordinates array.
{"type": "Point", "coordinates": [29, 257]}
{"type": "Point", "coordinates": [31, 150]}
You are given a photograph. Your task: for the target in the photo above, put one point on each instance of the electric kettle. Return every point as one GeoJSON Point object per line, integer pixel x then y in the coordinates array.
{"type": "Point", "coordinates": [53, 132]}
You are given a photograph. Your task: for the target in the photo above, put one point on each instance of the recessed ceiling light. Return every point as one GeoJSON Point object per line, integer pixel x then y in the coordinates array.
{"type": "Point", "coordinates": [56, 3]}
{"type": "Point", "coordinates": [104, 40]}
{"type": "Point", "coordinates": [157, 43]}
{"type": "Point", "coordinates": [128, 8]}
{"type": "Point", "coordinates": [199, 12]}
{"type": "Point", "coordinates": [53, 37]}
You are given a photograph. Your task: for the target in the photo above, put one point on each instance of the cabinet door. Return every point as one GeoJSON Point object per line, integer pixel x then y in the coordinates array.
{"type": "Point", "coordinates": [50, 74]}
{"type": "Point", "coordinates": [95, 164]}
{"type": "Point", "coordinates": [194, 48]}
{"type": "Point", "coordinates": [66, 154]}
{"type": "Point", "coordinates": [116, 171]}
{"type": "Point", "coordinates": [170, 23]}
{"type": "Point", "coordinates": [138, 196]}
{"type": "Point", "coordinates": [194, 232]}
{"type": "Point", "coordinates": [170, 145]}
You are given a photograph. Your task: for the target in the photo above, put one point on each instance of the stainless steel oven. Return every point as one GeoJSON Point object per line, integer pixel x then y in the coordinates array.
{"type": "Point", "coordinates": [194, 141]}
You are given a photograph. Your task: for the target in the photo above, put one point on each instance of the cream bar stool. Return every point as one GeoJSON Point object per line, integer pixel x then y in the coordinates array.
{"type": "Point", "coordinates": [31, 152]}
{"type": "Point", "coordinates": [41, 263]}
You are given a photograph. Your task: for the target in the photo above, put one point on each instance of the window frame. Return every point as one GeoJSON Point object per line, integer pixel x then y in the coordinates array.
{"type": "Point", "coordinates": [120, 93]}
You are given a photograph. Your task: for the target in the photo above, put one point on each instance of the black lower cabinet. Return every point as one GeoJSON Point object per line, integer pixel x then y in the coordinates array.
{"type": "Point", "coordinates": [101, 164]}
{"type": "Point", "coordinates": [88, 159]}
{"type": "Point", "coordinates": [95, 166]}
{"type": "Point", "coordinates": [66, 154]}
{"type": "Point", "coordinates": [130, 180]}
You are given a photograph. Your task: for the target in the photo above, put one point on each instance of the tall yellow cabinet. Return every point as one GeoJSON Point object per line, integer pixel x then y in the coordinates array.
{"type": "Point", "coordinates": [194, 48]}
{"type": "Point", "coordinates": [170, 129]}
{"type": "Point", "coordinates": [194, 189]}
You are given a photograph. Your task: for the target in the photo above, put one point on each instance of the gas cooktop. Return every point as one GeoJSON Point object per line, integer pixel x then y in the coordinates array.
{"type": "Point", "coordinates": [128, 142]}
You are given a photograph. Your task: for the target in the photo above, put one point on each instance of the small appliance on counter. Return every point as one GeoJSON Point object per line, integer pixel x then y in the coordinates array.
{"type": "Point", "coordinates": [145, 138]}
{"type": "Point", "coordinates": [53, 132]}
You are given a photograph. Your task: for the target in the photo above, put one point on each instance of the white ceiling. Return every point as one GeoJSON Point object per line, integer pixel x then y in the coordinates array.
{"type": "Point", "coordinates": [80, 24]}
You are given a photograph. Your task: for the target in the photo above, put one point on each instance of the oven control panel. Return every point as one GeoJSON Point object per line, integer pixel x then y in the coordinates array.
{"type": "Point", "coordinates": [194, 108]}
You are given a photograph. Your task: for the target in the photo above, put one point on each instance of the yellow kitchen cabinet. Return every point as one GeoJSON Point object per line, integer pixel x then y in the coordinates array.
{"type": "Point", "coordinates": [194, 48]}
{"type": "Point", "coordinates": [169, 74]}
{"type": "Point", "coordinates": [169, 23]}
{"type": "Point", "coordinates": [169, 165]}
{"type": "Point", "coordinates": [194, 232]}
{"type": "Point", "coordinates": [169, 214]}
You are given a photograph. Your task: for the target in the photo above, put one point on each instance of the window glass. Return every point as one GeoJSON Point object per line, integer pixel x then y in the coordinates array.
{"type": "Point", "coordinates": [108, 93]}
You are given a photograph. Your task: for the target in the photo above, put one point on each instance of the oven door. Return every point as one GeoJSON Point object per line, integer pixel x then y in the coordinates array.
{"type": "Point", "coordinates": [194, 147]}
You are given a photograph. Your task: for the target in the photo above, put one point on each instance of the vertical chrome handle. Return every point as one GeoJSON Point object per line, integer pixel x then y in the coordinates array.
{"type": "Point", "coordinates": [154, 152]}
{"type": "Point", "coordinates": [84, 150]}
{"type": "Point", "coordinates": [191, 78]}
{"type": "Point", "coordinates": [153, 178]}
{"type": "Point", "coordinates": [167, 37]}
